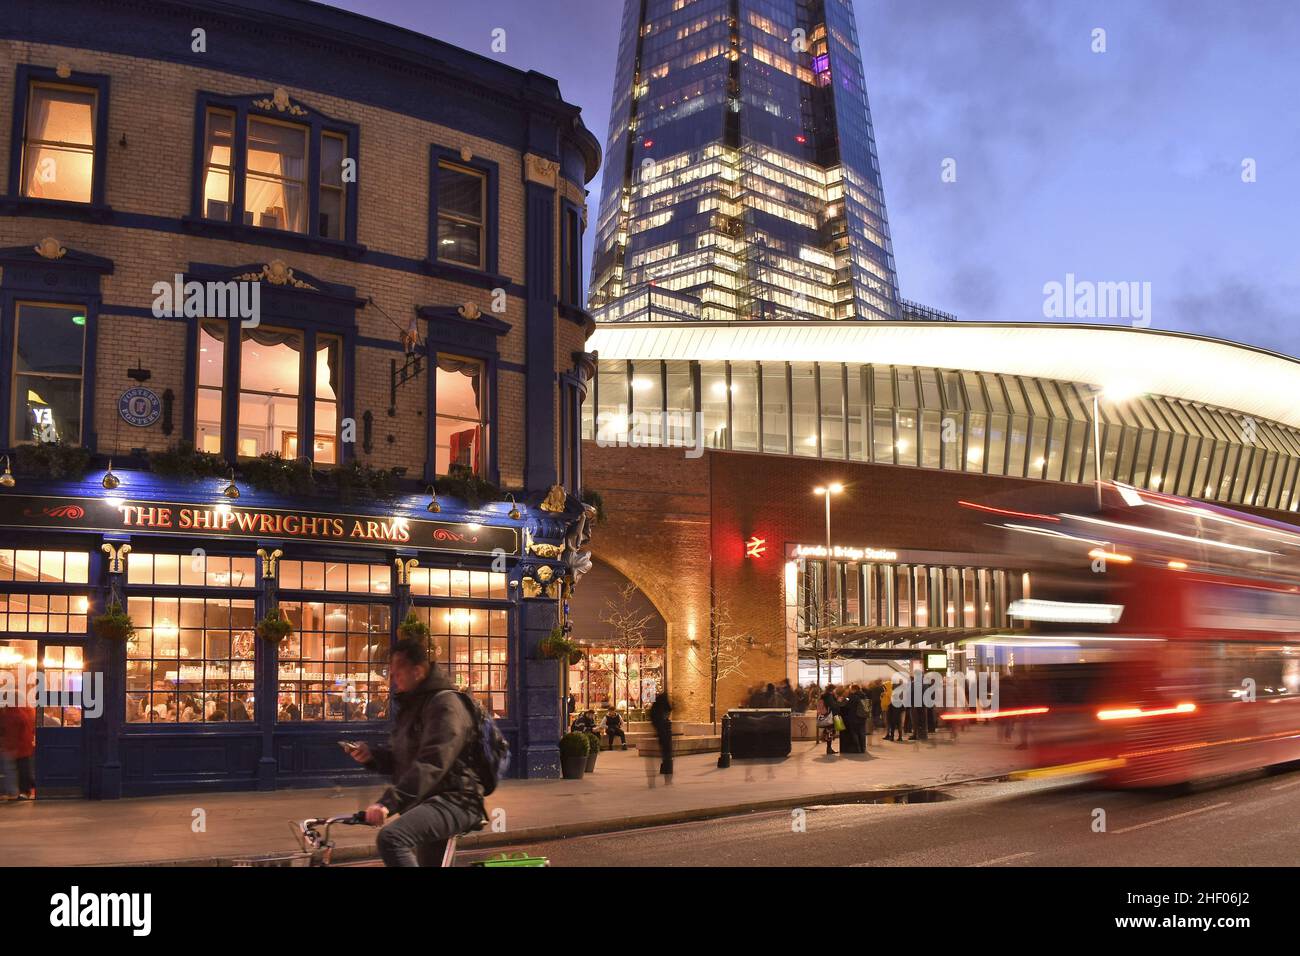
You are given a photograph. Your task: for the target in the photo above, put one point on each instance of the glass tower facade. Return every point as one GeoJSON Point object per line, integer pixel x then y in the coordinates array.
{"type": "Point", "coordinates": [741, 179]}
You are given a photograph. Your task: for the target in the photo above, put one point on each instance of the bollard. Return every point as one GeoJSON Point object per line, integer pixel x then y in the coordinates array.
{"type": "Point", "coordinates": [724, 758]}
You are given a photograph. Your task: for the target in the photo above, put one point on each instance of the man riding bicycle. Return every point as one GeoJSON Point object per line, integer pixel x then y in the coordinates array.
{"type": "Point", "coordinates": [435, 793]}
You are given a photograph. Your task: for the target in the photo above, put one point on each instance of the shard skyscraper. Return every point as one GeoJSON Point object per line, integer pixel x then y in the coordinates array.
{"type": "Point", "coordinates": [741, 178]}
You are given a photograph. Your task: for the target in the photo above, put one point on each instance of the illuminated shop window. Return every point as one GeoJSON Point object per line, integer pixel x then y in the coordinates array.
{"type": "Point", "coordinates": [49, 359]}
{"type": "Point", "coordinates": [43, 613]}
{"type": "Point", "coordinates": [63, 567]}
{"type": "Point", "coordinates": [190, 660]}
{"type": "Point", "coordinates": [59, 143]}
{"type": "Point", "coordinates": [190, 570]}
{"type": "Point", "coordinates": [462, 202]}
{"type": "Point", "coordinates": [63, 666]}
{"type": "Point", "coordinates": [461, 426]}
{"type": "Point", "coordinates": [452, 582]}
{"type": "Point", "coordinates": [334, 666]}
{"type": "Point", "coordinates": [335, 577]}
{"type": "Point", "coordinates": [472, 646]}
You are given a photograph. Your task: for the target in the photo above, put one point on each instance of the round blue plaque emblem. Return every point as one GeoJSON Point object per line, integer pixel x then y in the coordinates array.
{"type": "Point", "coordinates": [140, 407]}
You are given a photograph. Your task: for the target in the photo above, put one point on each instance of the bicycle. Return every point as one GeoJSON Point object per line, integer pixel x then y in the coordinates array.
{"type": "Point", "coordinates": [316, 842]}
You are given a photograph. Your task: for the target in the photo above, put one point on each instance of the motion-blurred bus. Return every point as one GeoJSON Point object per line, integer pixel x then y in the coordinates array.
{"type": "Point", "coordinates": [1169, 635]}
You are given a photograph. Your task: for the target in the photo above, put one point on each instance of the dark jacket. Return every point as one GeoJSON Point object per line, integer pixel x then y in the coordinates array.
{"type": "Point", "coordinates": [660, 711]}
{"type": "Point", "coordinates": [426, 754]}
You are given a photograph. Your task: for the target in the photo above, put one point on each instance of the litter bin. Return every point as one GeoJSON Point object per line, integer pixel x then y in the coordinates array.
{"type": "Point", "coordinates": [760, 732]}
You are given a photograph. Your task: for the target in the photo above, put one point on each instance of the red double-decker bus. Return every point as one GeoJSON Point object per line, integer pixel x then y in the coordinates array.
{"type": "Point", "coordinates": [1172, 631]}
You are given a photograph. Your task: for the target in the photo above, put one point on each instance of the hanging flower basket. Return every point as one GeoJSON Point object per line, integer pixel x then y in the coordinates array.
{"type": "Point", "coordinates": [114, 624]}
{"type": "Point", "coordinates": [558, 647]}
{"type": "Point", "coordinates": [275, 627]}
{"type": "Point", "coordinates": [413, 627]}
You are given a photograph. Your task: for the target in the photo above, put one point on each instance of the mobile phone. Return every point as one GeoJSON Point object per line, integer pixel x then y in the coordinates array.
{"type": "Point", "coordinates": [349, 746]}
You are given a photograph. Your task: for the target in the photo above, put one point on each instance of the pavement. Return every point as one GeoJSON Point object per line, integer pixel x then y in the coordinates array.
{"type": "Point", "coordinates": [624, 793]}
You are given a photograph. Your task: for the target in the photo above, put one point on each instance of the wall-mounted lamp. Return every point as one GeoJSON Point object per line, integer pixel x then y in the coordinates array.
{"type": "Point", "coordinates": [433, 505]}
{"type": "Point", "coordinates": [110, 480]}
{"type": "Point", "coordinates": [231, 490]}
{"type": "Point", "coordinates": [514, 509]}
{"type": "Point", "coordinates": [7, 479]}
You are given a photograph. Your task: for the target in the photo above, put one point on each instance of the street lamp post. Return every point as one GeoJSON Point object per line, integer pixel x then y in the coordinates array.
{"type": "Point", "coordinates": [834, 488]}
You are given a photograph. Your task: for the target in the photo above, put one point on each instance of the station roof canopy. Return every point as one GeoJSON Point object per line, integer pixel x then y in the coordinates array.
{"type": "Point", "coordinates": [1122, 359]}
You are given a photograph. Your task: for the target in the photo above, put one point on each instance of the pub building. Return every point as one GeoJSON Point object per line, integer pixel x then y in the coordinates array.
{"type": "Point", "coordinates": [320, 238]}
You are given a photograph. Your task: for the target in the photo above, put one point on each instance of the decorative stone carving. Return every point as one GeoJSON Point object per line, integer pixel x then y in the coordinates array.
{"type": "Point", "coordinates": [281, 103]}
{"type": "Point", "coordinates": [545, 573]}
{"type": "Point", "coordinates": [116, 556]}
{"type": "Point", "coordinates": [545, 550]}
{"type": "Point", "coordinates": [276, 273]}
{"type": "Point", "coordinates": [270, 561]}
{"type": "Point", "coordinates": [466, 154]}
{"type": "Point", "coordinates": [555, 499]}
{"type": "Point", "coordinates": [63, 70]}
{"type": "Point", "coordinates": [49, 248]}
{"type": "Point", "coordinates": [530, 588]}
{"type": "Point", "coordinates": [469, 311]}
{"type": "Point", "coordinates": [404, 569]}
{"type": "Point", "coordinates": [539, 170]}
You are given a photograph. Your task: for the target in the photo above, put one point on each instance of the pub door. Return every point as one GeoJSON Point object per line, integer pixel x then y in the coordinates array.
{"type": "Point", "coordinates": [60, 764]}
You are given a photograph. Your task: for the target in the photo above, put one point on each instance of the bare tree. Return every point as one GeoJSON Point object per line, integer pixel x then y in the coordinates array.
{"type": "Point", "coordinates": [822, 634]}
{"type": "Point", "coordinates": [628, 622]}
{"type": "Point", "coordinates": [724, 656]}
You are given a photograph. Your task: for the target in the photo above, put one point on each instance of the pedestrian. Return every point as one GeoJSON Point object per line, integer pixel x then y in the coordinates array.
{"type": "Point", "coordinates": [785, 695]}
{"type": "Point", "coordinates": [613, 724]}
{"type": "Point", "coordinates": [893, 713]}
{"type": "Point", "coordinates": [570, 705]}
{"type": "Point", "coordinates": [660, 718]}
{"type": "Point", "coordinates": [828, 708]}
{"type": "Point", "coordinates": [436, 793]}
{"type": "Point", "coordinates": [859, 717]}
{"type": "Point", "coordinates": [18, 741]}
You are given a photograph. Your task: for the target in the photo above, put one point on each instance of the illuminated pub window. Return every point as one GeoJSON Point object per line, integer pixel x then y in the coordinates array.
{"type": "Point", "coordinates": [271, 374]}
{"type": "Point", "coordinates": [472, 645]}
{"type": "Point", "coordinates": [275, 187]}
{"type": "Point", "coordinates": [460, 414]}
{"type": "Point", "coordinates": [190, 659]}
{"type": "Point", "coordinates": [190, 570]}
{"type": "Point", "coordinates": [59, 143]}
{"type": "Point", "coordinates": [627, 679]}
{"type": "Point", "coordinates": [334, 666]}
{"type": "Point", "coordinates": [64, 567]}
{"type": "Point", "coordinates": [63, 666]}
{"type": "Point", "coordinates": [49, 357]}
{"type": "Point", "coordinates": [447, 582]}
{"type": "Point", "coordinates": [218, 168]}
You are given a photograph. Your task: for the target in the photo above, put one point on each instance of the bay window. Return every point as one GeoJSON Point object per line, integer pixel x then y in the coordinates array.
{"type": "Point", "coordinates": [272, 370]}
{"type": "Point", "coordinates": [265, 170]}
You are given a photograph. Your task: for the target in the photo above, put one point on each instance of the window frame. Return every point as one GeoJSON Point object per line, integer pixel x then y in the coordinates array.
{"type": "Point", "coordinates": [12, 329]}
{"type": "Point", "coordinates": [273, 318]}
{"type": "Point", "coordinates": [490, 171]}
{"type": "Point", "coordinates": [317, 125]}
{"type": "Point", "coordinates": [27, 75]}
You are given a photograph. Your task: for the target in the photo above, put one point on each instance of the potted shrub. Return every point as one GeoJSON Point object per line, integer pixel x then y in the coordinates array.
{"type": "Point", "coordinates": [412, 626]}
{"type": "Point", "coordinates": [114, 624]}
{"type": "Point", "coordinates": [594, 741]}
{"type": "Point", "coordinates": [275, 627]}
{"type": "Point", "coordinates": [573, 755]}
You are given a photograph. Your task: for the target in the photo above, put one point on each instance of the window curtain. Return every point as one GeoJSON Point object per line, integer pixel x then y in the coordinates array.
{"type": "Point", "coordinates": [465, 448]}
